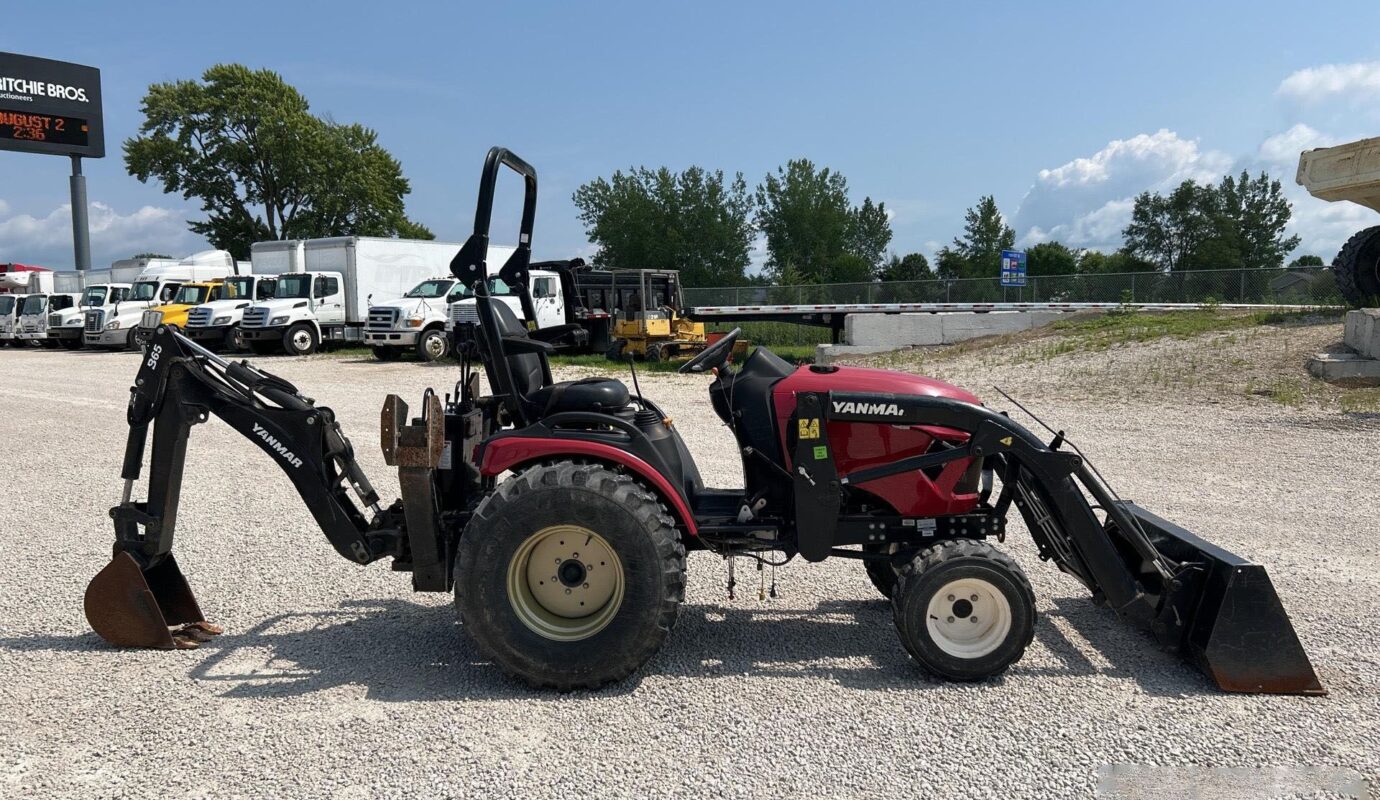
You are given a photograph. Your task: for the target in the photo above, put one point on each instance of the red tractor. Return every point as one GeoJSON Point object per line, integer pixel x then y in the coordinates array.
{"type": "Point", "coordinates": [560, 513]}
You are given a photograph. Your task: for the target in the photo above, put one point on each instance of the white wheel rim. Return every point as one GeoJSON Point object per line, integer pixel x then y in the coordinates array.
{"type": "Point", "coordinates": [554, 603]}
{"type": "Point", "coordinates": [301, 340]}
{"type": "Point", "coordinates": [435, 346]}
{"type": "Point", "coordinates": [968, 618]}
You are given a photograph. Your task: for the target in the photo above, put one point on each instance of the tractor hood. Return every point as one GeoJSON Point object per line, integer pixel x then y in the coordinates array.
{"type": "Point", "coordinates": [862, 379]}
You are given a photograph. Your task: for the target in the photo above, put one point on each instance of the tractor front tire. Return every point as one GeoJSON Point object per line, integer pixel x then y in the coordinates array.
{"type": "Point", "coordinates": [964, 610]}
{"type": "Point", "coordinates": [1357, 268]}
{"type": "Point", "coordinates": [569, 576]}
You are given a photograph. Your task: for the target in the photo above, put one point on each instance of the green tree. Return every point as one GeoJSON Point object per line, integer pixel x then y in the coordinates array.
{"type": "Point", "coordinates": [910, 267]}
{"type": "Point", "coordinates": [1094, 262]}
{"type": "Point", "coordinates": [977, 253]}
{"type": "Point", "coordinates": [1257, 215]}
{"type": "Point", "coordinates": [693, 221]}
{"type": "Point", "coordinates": [244, 143]}
{"type": "Point", "coordinates": [1051, 258]}
{"type": "Point", "coordinates": [1169, 230]}
{"type": "Point", "coordinates": [1307, 261]}
{"type": "Point", "coordinates": [812, 228]}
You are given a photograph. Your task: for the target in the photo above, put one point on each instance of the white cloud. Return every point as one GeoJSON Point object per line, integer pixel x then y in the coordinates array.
{"type": "Point", "coordinates": [1087, 201]}
{"type": "Point", "coordinates": [1330, 81]}
{"type": "Point", "coordinates": [47, 240]}
{"type": "Point", "coordinates": [1283, 148]}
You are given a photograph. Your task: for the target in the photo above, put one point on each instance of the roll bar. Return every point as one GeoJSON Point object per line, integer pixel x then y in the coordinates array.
{"type": "Point", "coordinates": [470, 265]}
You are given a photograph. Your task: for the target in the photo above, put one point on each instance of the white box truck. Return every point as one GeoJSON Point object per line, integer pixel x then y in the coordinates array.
{"type": "Point", "coordinates": [328, 301]}
{"type": "Point", "coordinates": [418, 320]}
{"type": "Point", "coordinates": [112, 325]}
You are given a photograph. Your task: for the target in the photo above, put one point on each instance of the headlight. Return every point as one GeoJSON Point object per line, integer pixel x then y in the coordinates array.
{"type": "Point", "coordinates": [76, 323]}
{"type": "Point", "coordinates": [414, 321]}
{"type": "Point", "coordinates": [278, 321]}
{"type": "Point", "coordinates": [221, 321]}
{"type": "Point", "coordinates": [113, 326]}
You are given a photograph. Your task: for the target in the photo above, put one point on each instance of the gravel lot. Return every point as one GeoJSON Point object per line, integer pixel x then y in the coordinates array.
{"type": "Point", "coordinates": [335, 680]}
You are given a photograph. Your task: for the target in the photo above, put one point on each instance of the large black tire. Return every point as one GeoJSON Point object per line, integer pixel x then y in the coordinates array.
{"type": "Point", "coordinates": [432, 345]}
{"type": "Point", "coordinates": [494, 599]}
{"type": "Point", "coordinates": [880, 572]}
{"type": "Point", "coordinates": [615, 351]}
{"type": "Point", "coordinates": [301, 339]}
{"type": "Point", "coordinates": [261, 347]}
{"type": "Point", "coordinates": [385, 353]}
{"type": "Point", "coordinates": [937, 587]}
{"type": "Point", "coordinates": [71, 344]}
{"type": "Point", "coordinates": [1357, 269]}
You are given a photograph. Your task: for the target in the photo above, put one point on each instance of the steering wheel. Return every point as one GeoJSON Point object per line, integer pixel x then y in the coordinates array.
{"type": "Point", "coordinates": [713, 356]}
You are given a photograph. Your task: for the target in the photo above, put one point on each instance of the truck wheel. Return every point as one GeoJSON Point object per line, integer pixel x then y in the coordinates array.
{"type": "Point", "coordinates": [300, 340]}
{"type": "Point", "coordinates": [70, 344]}
{"type": "Point", "coordinates": [261, 348]}
{"type": "Point", "coordinates": [964, 610]}
{"type": "Point", "coordinates": [432, 345]}
{"type": "Point", "coordinates": [656, 353]}
{"type": "Point", "coordinates": [234, 341]}
{"type": "Point", "coordinates": [615, 351]}
{"type": "Point", "coordinates": [1357, 268]}
{"type": "Point", "coordinates": [569, 576]}
{"type": "Point", "coordinates": [383, 353]}
{"type": "Point", "coordinates": [881, 573]}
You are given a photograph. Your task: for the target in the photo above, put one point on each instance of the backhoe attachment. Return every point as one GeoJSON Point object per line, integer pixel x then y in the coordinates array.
{"type": "Point", "coordinates": [141, 598]}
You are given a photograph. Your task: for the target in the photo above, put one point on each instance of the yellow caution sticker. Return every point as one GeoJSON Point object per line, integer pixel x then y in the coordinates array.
{"type": "Point", "coordinates": [1006, 441]}
{"type": "Point", "coordinates": [809, 428]}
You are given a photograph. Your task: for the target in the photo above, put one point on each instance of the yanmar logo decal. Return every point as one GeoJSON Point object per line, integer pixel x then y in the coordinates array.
{"type": "Point", "coordinates": [277, 446]}
{"type": "Point", "coordinates": [876, 409]}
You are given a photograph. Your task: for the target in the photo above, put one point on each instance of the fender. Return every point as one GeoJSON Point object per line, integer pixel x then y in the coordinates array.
{"type": "Point", "coordinates": [509, 452]}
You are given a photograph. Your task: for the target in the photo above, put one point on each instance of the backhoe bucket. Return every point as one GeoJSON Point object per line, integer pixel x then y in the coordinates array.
{"type": "Point", "coordinates": [132, 607]}
{"type": "Point", "coordinates": [1234, 627]}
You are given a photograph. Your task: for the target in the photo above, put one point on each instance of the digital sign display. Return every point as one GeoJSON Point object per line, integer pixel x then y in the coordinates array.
{"type": "Point", "coordinates": [25, 127]}
{"type": "Point", "coordinates": [50, 107]}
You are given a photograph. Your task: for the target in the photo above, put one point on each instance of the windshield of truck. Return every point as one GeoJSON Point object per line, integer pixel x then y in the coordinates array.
{"type": "Point", "coordinates": [6, 305]}
{"type": "Point", "coordinates": [497, 288]}
{"type": "Point", "coordinates": [95, 296]}
{"type": "Point", "coordinates": [239, 288]}
{"type": "Point", "coordinates": [194, 295]}
{"type": "Point", "coordinates": [430, 289]}
{"type": "Point", "coordinates": [143, 291]}
{"type": "Point", "coordinates": [33, 304]}
{"type": "Point", "coordinates": [293, 286]}
{"type": "Point", "coordinates": [60, 302]}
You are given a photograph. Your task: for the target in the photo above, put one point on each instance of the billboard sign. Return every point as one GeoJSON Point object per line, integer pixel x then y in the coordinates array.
{"type": "Point", "coordinates": [1013, 268]}
{"type": "Point", "coordinates": [50, 107]}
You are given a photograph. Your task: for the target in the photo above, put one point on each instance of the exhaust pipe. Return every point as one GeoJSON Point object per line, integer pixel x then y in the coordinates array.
{"type": "Point", "coordinates": [152, 608]}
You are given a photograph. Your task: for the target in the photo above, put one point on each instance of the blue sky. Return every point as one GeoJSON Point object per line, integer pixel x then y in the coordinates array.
{"type": "Point", "coordinates": [1062, 110]}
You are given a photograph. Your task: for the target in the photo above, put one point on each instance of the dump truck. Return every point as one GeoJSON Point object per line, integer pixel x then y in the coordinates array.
{"type": "Point", "coordinates": [327, 301]}
{"type": "Point", "coordinates": [560, 513]}
{"type": "Point", "coordinates": [1350, 172]}
{"type": "Point", "coordinates": [560, 320]}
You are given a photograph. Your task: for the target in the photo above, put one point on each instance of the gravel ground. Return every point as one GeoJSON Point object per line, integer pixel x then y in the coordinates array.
{"type": "Point", "coordinates": [335, 680]}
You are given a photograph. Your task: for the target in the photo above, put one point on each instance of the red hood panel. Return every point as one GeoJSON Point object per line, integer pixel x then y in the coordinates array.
{"type": "Point", "coordinates": [863, 379]}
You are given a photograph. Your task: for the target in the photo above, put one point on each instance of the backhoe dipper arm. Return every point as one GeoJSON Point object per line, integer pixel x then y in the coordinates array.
{"type": "Point", "coordinates": [179, 384]}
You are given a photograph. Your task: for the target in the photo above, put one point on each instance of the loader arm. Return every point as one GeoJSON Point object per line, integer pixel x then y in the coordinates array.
{"type": "Point", "coordinates": [180, 384]}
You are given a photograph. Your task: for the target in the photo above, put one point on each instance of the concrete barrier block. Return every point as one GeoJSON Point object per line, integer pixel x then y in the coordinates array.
{"type": "Point", "coordinates": [827, 353]}
{"type": "Point", "coordinates": [1347, 369]}
{"type": "Point", "coordinates": [893, 330]}
{"type": "Point", "coordinates": [1362, 331]}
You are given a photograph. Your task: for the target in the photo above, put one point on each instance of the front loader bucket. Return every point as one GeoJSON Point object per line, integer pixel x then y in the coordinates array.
{"type": "Point", "coordinates": [1234, 627]}
{"type": "Point", "coordinates": [131, 607]}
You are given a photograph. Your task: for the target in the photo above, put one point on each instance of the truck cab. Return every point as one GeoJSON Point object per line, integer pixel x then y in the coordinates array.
{"type": "Point", "coordinates": [548, 300]}
{"type": "Point", "coordinates": [216, 324]}
{"type": "Point", "coordinates": [67, 327]}
{"type": "Point", "coordinates": [9, 317]}
{"type": "Point", "coordinates": [188, 296]}
{"type": "Point", "coordinates": [306, 308]}
{"type": "Point", "coordinates": [33, 315]}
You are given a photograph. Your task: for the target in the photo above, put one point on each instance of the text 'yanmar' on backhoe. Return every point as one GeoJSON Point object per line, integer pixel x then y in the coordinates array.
{"type": "Point", "coordinates": [569, 571]}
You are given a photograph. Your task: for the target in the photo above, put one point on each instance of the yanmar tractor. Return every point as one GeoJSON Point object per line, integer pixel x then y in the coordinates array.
{"type": "Point", "coordinates": [560, 513]}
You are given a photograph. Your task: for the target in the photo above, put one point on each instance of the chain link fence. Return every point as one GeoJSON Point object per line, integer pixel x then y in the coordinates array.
{"type": "Point", "coordinates": [1312, 286]}
{"type": "Point", "coordinates": [1308, 286]}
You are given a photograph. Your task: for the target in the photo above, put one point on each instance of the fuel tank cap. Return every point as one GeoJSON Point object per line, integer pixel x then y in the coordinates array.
{"type": "Point", "coordinates": [824, 369]}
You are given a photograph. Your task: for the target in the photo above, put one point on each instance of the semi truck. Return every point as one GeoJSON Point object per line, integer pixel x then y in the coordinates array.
{"type": "Point", "coordinates": [112, 325]}
{"type": "Point", "coordinates": [556, 288]}
{"type": "Point", "coordinates": [418, 320]}
{"type": "Point", "coordinates": [328, 301]}
{"type": "Point", "coordinates": [98, 288]}
{"type": "Point", "coordinates": [174, 312]}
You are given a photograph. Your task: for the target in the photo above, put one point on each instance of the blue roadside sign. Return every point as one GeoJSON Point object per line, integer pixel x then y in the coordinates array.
{"type": "Point", "coordinates": [1013, 268]}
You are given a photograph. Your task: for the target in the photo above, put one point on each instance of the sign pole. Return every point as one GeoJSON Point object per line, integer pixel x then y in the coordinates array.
{"type": "Point", "coordinates": [81, 229]}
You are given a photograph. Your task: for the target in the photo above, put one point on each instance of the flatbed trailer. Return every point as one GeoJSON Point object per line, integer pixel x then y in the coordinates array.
{"type": "Point", "coordinates": [832, 315]}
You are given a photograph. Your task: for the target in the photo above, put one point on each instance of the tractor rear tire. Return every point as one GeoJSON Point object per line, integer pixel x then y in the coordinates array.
{"type": "Point", "coordinates": [881, 573]}
{"type": "Point", "coordinates": [964, 610]}
{"type": "Point", "coordinates": [525, 619]}
{"type": "Point", "coordinates": [1357, 269]}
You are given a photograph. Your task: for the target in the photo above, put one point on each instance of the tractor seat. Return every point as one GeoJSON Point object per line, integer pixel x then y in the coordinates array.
{"type": "Point", "coordinates": [601, 395]}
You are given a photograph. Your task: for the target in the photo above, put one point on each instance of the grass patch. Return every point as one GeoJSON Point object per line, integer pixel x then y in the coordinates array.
{"type": "Point", "coordinates": [1360, 401]}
